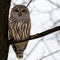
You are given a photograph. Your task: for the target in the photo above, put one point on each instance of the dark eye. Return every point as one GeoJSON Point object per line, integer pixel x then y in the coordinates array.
{"type": "Point", "coordinates": [16, 10]}
{"type": "Point", "coordinates": [23, 10]}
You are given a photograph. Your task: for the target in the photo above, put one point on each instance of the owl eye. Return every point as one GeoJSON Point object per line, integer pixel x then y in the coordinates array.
{"type": "Point", "coordinates": [16, 10]}
{"type": "Point", "coordinates": [23, 10]}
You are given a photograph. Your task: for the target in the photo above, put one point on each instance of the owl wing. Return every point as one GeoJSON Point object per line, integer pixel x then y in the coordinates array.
{"type": "Point", "coordinates": [23, 29]}
{"type": "Point", "coordinates": [19, 30]}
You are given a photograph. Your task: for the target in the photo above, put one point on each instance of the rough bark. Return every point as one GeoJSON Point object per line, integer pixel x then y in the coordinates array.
{"type": "Point", "coordinates": [4, 10]}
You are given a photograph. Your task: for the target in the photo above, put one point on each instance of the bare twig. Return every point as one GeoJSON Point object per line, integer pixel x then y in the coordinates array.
{"type": "Point", "coordinates": [29, 2]}
{"type": "Point", "coordinates": [36, 35]}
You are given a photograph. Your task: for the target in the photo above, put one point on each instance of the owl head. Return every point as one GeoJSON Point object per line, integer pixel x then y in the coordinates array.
{"type": "Point", "coordinates": [19, 11]}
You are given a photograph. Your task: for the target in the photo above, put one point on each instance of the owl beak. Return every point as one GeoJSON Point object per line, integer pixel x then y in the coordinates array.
{"type": "Point", "coordinates": [19, 14]}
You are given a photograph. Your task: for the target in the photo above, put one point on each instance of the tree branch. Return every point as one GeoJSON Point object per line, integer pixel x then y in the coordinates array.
{"type": "Point", "coordinates": [29, 2]}
{"type": "Point", "coordinates": [36, 35]}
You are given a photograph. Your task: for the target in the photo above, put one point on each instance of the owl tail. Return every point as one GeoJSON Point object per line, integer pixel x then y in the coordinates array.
{"type": "Point", "coordinates": [19, 48]}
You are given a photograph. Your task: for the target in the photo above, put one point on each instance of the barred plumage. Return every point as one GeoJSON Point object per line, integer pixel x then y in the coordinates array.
{"type": "Point", "coordinates": [19, 28]}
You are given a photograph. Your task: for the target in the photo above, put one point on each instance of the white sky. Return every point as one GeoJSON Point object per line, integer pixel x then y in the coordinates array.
{"type": "Point", "coordinates": [43, 16]}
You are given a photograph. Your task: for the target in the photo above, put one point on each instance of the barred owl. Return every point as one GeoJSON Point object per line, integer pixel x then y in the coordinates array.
{"type": "Point", "coordinates": [19, 28]}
